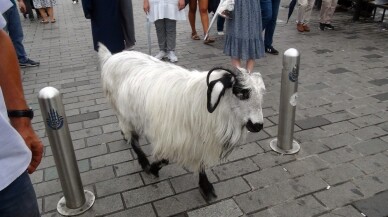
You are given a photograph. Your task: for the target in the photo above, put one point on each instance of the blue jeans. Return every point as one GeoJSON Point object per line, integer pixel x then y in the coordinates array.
{"type": "Point", "coordinates": [269, 15]}
{"type": "Point", "coordinates": [19, 199]}
{"type": "Point", "coordinates": [14, 28]}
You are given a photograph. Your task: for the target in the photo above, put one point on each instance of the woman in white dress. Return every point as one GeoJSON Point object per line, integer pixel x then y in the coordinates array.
{"type": "Point", "coordinates": [46, 10]}
{"type": "Point", "coordinates": [165, 13]}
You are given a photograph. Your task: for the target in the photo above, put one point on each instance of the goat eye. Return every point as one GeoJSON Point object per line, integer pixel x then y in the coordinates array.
{"type": "Point", "coordinates": [243, 95]}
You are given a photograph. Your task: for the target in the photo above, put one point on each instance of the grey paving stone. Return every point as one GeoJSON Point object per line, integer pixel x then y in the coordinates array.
{"type": "Point", "coordinates": [37, 176]}
{"type": "Point", "coordinates": [236, 168]}
{"type": "Point", "coordinates": [363, 110]}
{"type": "Point", "coordinates": [244, 151]}
{"type": "Point", "coordinates": [339, 156]}
{"type": "Point", "coordinates": [371, 147]}
{"type": "Point", "coordinates": [339, 128]}
{"type": "Point", "coordinates": [106, 205]}
{"type": "Point", "coordinates": [264, 213]}
{"type": "Point", "coordinates": [230, 188]}
{"type": "Point", "coordinates": [379, 82]}
{"type": "Point", "coordinates": [312, 122]}
{"type": "Point", "coordinates": [265, 197]}
{"type": "Point", "coordinates": [317, 86]}
{"type": "Point", "coordinates": [310, 135]}
{"type": "Point", "coordinates": [89, 152]}
{"type": "Point", "coordinates": [117, 185]}
{"type": "Point", "coordinates": [47, 188]}
{"type": "Point", "coordinates": [372, 56]}
{"type": "Point", "coordinates": [374, 206]}
{"type": "Point", "coordinates": [103, 138]}
{"type": "Point", "coordinates": [223, 208]}
{"type": "Point", "coordinates": [252, 137]}
{"type": "Point", "coordinates": [340, 173]}
{"type": "Point", "coordinates": [82, 117]}
{"type": "Point", "coordinates": [140, 211]}
{"type": "Point", "coordinates": [371, 164]}
{"type": "Point", "coordinates": [372, 184]}
{"type": "Point", "coordinates": [305, 165]}
{"type": "Point", "coordinates": [100, 122]}
{"type": "Point", "coordinates": [126, 168]}
{"type": "Point", "coordinates": [97, 175]}
{"type": "Point", "coordinates": [310, 148]}
{"type": "Point", "coordinates": [147, 194]}
{"type": "Point", "coordinates": [305, 206]}
{"type": "Point", "coordinates": [339, 116]}
{"type": "Point", "coordinates": [343, 211]}
{"type": "Point", "coordinates": [340, 195]}
{"type": "Point", "coordinates": [80, 134]}
{"type": "Point", "coordinates": [179, 203]}
{"type": "Point", "coordinates": [169, 171]}
{"type": "Point", "coordinates": [267, 177]}
{"type": "Point", "coordinates": [271, 159]}
{"type": "Point", "coordinates": [338, 70]}
{"type": "Point", "coordinates": [111, 159]}
{"type": "Point", "coordinates": [47, 162]}
{"type": "Point", "coordinates": [307, 184]}
{"type": "Point", "coordinates": [190, 181]}
{"type": "Point", "coordinates": [340, 140]}
{"type": "Point", "coordinates": [52, 173]}
{"type": "Point", "coordinates": [369, 132]}
{"type": "Point", "coordinates": [50, 202]}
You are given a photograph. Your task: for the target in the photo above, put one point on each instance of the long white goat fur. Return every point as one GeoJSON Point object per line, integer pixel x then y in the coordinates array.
{"type": "Point", "coordinates": [168, 105]}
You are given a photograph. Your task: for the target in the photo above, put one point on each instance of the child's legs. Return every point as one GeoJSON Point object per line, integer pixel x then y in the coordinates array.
{"type": "Point", "coordinates": [170, 26]}
{"type": "Point", "coordinates": [160, 27]}
{"type": "Point", "coordinates": [203, 6]}
{"type": "Point", "coordinates": [192, 11]}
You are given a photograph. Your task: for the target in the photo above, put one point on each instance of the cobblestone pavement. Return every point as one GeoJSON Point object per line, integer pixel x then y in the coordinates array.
{"type": "Point", "coordinates": [342, 125]}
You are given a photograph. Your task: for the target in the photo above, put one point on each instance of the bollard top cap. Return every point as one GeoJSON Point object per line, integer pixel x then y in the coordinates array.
{"type": "Point", "coordinates": [291, 52]}
{"type": "Point", "coordinates": [48, 93]}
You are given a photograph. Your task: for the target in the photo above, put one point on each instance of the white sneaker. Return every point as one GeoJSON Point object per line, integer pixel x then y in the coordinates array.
{"type": "Point", "coordinates": [160, 55]}
{"type": "Point", "coordinates": [172, 57]}
{"type": "Point", "coordinates": [220, 33]}
{"type": "Point", "coordinates": [74, 2]}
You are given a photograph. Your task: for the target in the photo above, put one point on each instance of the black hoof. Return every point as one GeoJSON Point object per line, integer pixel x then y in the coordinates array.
{"type": "Point", "coordinates": [154, 170]}
{"type": "Point", "coordinates": [208, 192]}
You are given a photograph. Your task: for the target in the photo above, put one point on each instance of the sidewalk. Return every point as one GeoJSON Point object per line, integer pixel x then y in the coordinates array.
{"type": "Point", "coordinates": [342, 125]}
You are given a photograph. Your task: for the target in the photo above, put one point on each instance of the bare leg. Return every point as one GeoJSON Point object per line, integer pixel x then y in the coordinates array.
{"type": "Point", "coordinates": [236, 62]}
{"type": "Point", "coordinates": [203, 6]}
{"type": "Point", "coordinates": [206, 187]}
{"type": "Point", "coordinates": [250, 65]}
{"type": "Point", "coordinates": [192, 11]}
{"type": "Point", "coordinates": [50, 12]}
{"type": "Point", "coordinates": [43, 14]}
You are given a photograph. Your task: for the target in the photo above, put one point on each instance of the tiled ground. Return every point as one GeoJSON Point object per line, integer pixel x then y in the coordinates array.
{"type": "Point", "coordinates": [342, 126]}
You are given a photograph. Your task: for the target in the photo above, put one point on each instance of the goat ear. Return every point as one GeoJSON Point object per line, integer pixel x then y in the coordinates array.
{"type": "Point", "coordinates": [216, 89]}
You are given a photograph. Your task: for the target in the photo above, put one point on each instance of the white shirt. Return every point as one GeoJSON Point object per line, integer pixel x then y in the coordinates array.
{"type": "Point", "coordinates": [14, 153]}
{"type": "Point", "coordinates": [160, 9]}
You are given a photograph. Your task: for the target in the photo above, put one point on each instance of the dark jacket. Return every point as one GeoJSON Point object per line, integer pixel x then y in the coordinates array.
{"type": "Point", "coordinates": [106, 23]}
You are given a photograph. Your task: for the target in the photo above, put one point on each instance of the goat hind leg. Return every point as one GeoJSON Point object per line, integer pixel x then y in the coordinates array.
{"type": "Point", "coordinates": [206, 188]}
{"type": "Point", "coordinates": [156, 166]}
{"type": "Point", "coordinates": [141, 157]}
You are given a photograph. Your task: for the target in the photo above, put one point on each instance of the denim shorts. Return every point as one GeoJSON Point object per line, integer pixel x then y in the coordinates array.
{"type": "Point", "coordinates": [19, 199]}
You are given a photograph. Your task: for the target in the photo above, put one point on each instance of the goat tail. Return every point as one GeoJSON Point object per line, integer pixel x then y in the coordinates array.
{"type": "Point", "coordinates": [103, 53]}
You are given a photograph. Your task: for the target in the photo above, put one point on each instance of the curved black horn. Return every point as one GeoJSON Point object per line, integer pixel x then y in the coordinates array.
{"type": "Point", "coordinates": [231, 69]}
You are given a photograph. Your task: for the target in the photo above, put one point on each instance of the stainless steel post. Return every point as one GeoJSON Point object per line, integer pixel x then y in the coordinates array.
{"type": "Point", "coordinates": [288, 98]}
{"type": "Point", "coordinates": [75, 200]}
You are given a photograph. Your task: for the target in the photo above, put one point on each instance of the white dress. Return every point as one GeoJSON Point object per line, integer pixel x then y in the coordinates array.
{"type": "Point", "coordinates": [160, 9]}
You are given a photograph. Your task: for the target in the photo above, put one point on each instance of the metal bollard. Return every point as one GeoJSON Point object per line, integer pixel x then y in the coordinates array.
{"type": "Point", "coordinates": [76, 200]}
{"type": "Point", "coordinates": [284, 143]}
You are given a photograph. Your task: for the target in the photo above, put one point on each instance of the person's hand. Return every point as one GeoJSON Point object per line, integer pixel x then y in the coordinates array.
{"type": "Point", "coordinates": [22, 6]}
{"type": "Point", "coordinates": [24, 128]}
{"type": "Point", "coordinates": [181, 4]}
{"type": "Point", "coordinates": [146, 6]}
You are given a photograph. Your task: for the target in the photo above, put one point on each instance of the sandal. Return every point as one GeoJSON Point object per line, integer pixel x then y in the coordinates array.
{"type": "Point", "coordinates": [208, 40]}
{"type": "Point", "coordinates": [194, 36]}
{"type": "Point", "coordinates": [44, 21]}
{"type": "Point", "coordinates": [53, 20]}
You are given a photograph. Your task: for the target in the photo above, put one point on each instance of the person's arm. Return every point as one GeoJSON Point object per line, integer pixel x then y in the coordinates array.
{"type": "Point", "coordinates": [22, 6]}
{"type": "Point", "coordinates": [146, 6]}
{"type": "Point", "coordinates": [11, 86]}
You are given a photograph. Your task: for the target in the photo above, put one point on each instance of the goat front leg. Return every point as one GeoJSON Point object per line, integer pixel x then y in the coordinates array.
{"type": "Point", "coordinates": [156, 166]}
{"type": "Point", "coordinates": [206, 188]}
{"type": "Point", "coordinates": [141, 157]}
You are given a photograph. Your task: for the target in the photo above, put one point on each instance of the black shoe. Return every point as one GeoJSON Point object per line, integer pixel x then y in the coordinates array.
{"type": "Point", "coordinates": [271, 50]}
{"type": "Point", "coordinates": [322, 26]}
{"type": "Point", "coordinates": [28, 63]}
{"type": "Point", "coordinates": [329, 26]}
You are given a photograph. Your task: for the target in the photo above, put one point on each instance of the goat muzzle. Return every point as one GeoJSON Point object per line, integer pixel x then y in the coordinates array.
{"type": "Point", "coordinates": [254, 127]}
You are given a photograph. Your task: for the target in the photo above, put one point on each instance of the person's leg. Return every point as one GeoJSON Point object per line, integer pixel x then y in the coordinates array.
{"type": "Point", "coordinates": [308, 10]}
{"type": "Point", "coordinates": [50, 12]}
{"type": "Point", "coordinates": [266, 12]}
{"type": "Point", "coordinates": [331, 10]}
{"type": "Point", "coordinates": [43, 14]}
{"type": "Point", "coordinates": [203, 6]}
{"type": "Point", "coordinates": [127, 23]}
{"type": "Point", "coordinates": [29, 9]}
{"type": "Point", "coordinates": [19, 199]}
{"type": "Point", "coordinates": [192, 12]}
{"type": "Point", "coordinates": [160, 27]}
{"type": "Point", "coordinates": [14, 28]}
{"type": "Point", "coordinates": [270, 28]}
{"type": "Point", "coordinates": [170, 34]}
{"type": "Point", "coordinates": [236, 62]}
{"type": "Point", "coordinates": [250, 65]}
{"type": "Point", "coordinates": [220, 24]}
{"type": "Point", "coordinates": [323, 14]}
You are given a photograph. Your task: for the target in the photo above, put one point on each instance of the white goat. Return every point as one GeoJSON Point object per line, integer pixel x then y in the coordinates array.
{"type": "Point", "coordinates": [190, 117]}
